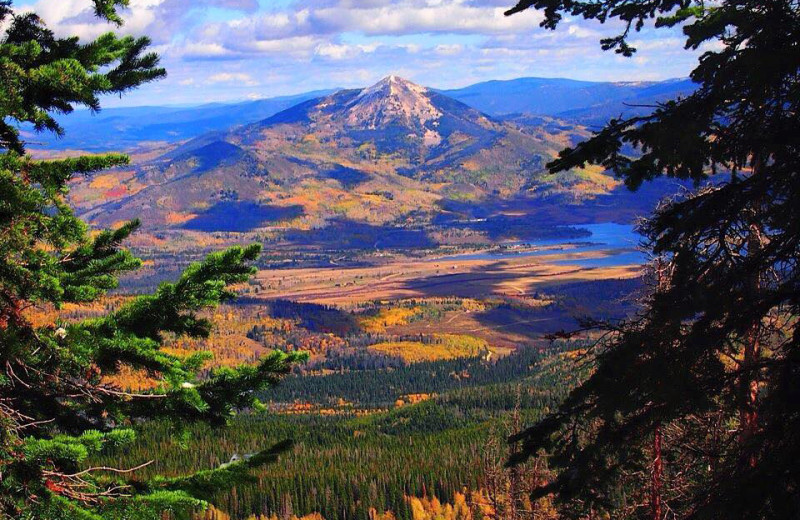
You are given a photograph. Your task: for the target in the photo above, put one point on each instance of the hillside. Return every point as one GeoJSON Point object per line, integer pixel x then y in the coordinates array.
{"type": "Point", "coordinates": [391, 155]}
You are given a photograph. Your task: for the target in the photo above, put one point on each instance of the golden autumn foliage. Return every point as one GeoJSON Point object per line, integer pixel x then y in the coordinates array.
{"type": "Point", "coordinates": [464, 507]}
{"type": "Point", "coordinates": [104, 182]}
{"type": "Point", "coordinates": [446, 346]}
{"type": "Point", "coordinates": [215, 514]}
{"type": "Point", "coordinates": [228, 342]}
{"type": "Point", "coordinates": [431, 509]}
{"type": "Point", "coordinates": [413, 399]}
{"type": "Point", "coordinates": [387, 317]}
{"type": "Point", "coordinates": [175, 217]}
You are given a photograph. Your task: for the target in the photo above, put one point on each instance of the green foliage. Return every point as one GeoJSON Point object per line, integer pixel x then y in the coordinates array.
{"type": "Point", "coordinates": [712, 362]}
{"type": "Point", "coordinates": [44, 74]}
{"type": "Point", "coordinates": [381, 388]}
{"type": "Point", "coordinates": [344, 464]}
{"type": "Point", "coordinates": [58, 404]}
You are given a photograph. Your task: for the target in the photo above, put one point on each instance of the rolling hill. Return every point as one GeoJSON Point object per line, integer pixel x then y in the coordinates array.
{"type": "Point", "coordinates": [141, 127]}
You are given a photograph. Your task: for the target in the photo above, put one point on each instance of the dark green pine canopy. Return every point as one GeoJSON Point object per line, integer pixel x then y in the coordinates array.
{"type": "Point", "coordinates": [712, 362]}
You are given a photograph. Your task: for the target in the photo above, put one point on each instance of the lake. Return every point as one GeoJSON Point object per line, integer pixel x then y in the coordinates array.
{"type": "Point", "coordinates": [617, 242]}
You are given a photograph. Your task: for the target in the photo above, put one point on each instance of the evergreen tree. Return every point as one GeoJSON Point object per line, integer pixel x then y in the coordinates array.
{"type": "Point", "coordinates": [58, 402]}
{"type": "Point", "coordinates": [694, 407]}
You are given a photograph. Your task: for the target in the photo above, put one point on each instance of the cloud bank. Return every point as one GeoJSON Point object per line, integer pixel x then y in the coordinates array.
{"type": "Point", "coordinates": [218, 50]}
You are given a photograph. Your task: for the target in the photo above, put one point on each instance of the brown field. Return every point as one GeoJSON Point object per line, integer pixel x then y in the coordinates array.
{"type": "Point", "coordinates": [471, 306]}
{"type": "Point", "coordinates": [427, 278]}
{"type": "Point", "coordinates": [520, 279]}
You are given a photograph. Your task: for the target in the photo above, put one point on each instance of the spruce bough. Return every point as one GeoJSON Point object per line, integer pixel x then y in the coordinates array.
{"type": "Point", "coordinates": [694, 408]}
{"type": "Point", "coordinates": [58, 403]}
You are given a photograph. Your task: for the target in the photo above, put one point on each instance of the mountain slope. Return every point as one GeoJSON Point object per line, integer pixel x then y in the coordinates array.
{"type": "Point", "coordinates": [392, 154]}
{"type": "Point", "coordinates": [423, 134]}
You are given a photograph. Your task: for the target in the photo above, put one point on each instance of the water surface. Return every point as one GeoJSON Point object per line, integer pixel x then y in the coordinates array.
{"type": "Point", "coordinates": [617, 242]}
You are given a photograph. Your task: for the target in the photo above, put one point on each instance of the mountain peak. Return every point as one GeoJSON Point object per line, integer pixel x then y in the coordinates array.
{"type": "Point", "coordinates": [392, 81]}
{"type": "Point", "coordinates": [392, 100]}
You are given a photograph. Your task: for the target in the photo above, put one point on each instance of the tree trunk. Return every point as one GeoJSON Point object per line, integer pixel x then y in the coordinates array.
{"type": "Point", "coordinates": [662, 280]}
{"type": "Point", "coordinates": [655, 478]}
{"type": "Point", "coordinates": [748, 413]}
{"type": "Point", "coordinates": [514, 491]}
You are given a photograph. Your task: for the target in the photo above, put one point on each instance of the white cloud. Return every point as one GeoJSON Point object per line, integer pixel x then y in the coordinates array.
{"type": "Point", "coordinates": [449, 50]}
{"type": "Point", "coordinates": [161, 20]}
{"type": "Point", "coordinates": [378, 18]}
{"type": "Point", "coordinates": [198, 50]}
{"type": "Point", "coordinates": [317, 26]}
{"type": "Point", "coordinates": [407, 18]}
{"type": "Point", "coordinates": [310, 44]}
{"type": "Point", "coordinates": [294, 46]}
{"type": "Point", "coordinates": [343, 51]}
{"type": "Point", "coordinates": [336, 52]}
{"type": "Point", "coordinates": [239, 78]}
{"type": "Point", "coordinates": [582, 32]}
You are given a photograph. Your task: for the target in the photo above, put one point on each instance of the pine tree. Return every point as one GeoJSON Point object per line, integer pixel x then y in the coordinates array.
{"type": "Point", "coordinates": [711, 366]}
{"type": "Point", "coordinates": [58, 404]}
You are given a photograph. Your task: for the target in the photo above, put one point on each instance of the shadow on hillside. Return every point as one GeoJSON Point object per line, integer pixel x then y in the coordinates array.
{"type": "Point", "coordinates": [240, 216]}
{"type": "Point", "coordinates": [520, 311]}
{"type": "Point", "coordinates": [480, 282]}
{"type": "Point", "coordinates": [500, 227]}
{"type": "Point", "coordinates": [348, 177]}
{"type": "Point", "coordinates": [610, 300]}
{"type": "Point", "coordinates": [542, 215]}
{"type": "Point", "coordinates": [310, 316]}
{"type": "Point", "coordinates": [348, 234]}
{"type": "Point", "coordinates": [525, 321]}
{"type": "Point", "coordinates": [211, 155]}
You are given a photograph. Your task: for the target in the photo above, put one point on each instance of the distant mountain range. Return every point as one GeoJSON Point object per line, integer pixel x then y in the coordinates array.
{"type": "Point", "coordinates": [140, 127]}
{"type": "Point", "coordinates": [584, 102]}
{"type": "Point", "coordinates": [587, 103]}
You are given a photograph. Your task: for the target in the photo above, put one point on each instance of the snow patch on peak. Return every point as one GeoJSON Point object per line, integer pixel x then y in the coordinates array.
{"type": "Point", "coordinates": [392, 100]}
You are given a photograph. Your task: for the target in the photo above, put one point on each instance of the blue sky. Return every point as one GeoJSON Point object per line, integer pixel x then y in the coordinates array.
{"type": "Point", "coordinates": [227, 50]}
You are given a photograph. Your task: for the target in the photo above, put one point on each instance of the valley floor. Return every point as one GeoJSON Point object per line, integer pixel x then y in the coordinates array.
{"type": "Point", "coordinates": [433, 278]}
{"type": "Point", "coordinates": [420, 367]}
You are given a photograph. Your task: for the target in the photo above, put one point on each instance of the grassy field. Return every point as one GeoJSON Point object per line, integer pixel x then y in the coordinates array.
{"type": "Point", "coordinates": [422, 278]}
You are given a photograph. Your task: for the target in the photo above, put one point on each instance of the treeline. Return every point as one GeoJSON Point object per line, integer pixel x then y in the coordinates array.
{"type": "Point", "coordinates": [381, 388]}
{"type": "Point", "coordinates": [341, 466]}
